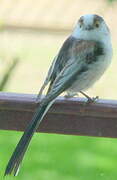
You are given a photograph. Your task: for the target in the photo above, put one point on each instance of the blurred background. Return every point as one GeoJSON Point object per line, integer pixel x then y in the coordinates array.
{"type": "Point", "coordinates": [31, 34]}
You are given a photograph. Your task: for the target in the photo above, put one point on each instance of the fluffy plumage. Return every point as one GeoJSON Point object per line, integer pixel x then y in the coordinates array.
{"type": "Point", "coordinates": [81, 61]}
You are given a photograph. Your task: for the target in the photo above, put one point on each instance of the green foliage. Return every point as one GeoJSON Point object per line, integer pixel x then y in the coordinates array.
{"type": "Point", "coordinates": [110, 1]}
{"type": "Point", "coordinates": [60, 157]}
{"type": "Point", "coordinates": [7, 74]}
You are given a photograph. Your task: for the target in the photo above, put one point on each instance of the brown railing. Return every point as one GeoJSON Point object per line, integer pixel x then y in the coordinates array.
{"type": "Point", "coordinates": [72, 116]}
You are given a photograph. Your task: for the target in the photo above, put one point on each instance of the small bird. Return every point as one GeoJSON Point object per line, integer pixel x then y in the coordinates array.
{"type": "Point", "coordinates": [81, 61]}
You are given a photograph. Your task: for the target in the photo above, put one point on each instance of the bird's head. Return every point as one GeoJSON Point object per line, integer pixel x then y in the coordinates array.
{"type": "Point", "coordinates": [91, 27]}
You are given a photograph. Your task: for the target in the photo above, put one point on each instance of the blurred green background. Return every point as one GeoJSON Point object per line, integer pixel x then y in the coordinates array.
{"type": "Point", "coordinates": [33, 33]}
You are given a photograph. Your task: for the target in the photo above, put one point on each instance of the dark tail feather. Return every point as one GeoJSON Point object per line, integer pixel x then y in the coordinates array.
{"type": "Point", "coordinates": [18, 154]}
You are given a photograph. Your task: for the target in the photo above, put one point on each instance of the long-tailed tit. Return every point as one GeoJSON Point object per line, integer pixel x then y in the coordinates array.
{"type": "Point", "coordinates": [81, 61]}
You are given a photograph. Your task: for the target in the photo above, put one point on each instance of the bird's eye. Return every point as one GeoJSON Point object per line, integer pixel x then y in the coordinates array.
{"type": "Point", "coordinates": [81, 22]}
{"type": "Point", "coordinates": [97, 24]}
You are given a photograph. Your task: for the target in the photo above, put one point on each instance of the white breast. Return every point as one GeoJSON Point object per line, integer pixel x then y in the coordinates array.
{"type": "Point", "coordinates": [86, 79]}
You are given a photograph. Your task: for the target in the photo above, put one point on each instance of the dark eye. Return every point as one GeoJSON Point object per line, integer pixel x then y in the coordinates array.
{"type": "Point", "coordinates": [97, 24]}
{"type": "Point", "coordinates": [81, 22]}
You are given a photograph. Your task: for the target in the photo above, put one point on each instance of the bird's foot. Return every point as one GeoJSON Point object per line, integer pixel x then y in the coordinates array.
{"type": "Point", "coordinates": [89, 99]}
{"type": "Point", "coordinates": [92, 100]}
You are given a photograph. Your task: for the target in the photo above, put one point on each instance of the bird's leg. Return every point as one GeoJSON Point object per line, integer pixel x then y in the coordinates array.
{"type": "Point", "coordinates": [70, 94]}
{"type": "Point", "coordinates": [89, 99]}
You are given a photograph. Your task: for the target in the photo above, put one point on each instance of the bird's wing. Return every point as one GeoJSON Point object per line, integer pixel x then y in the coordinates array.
{"type": "Point", "coordinates": [58, 63]}
{"type": "Point", "coordinates": [72, 49]}
{"type": "Point", "coordinates": [65, 79]}
{"type": "Point", "coordinates": [83, 53]}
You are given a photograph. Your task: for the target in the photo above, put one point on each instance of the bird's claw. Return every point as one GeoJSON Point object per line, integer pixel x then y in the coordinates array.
{"type": "Point", "coordinates": [92, 100]}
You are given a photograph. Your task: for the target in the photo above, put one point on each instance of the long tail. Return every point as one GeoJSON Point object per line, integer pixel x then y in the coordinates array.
{"type": "Point", "coordinates": [18, 154]}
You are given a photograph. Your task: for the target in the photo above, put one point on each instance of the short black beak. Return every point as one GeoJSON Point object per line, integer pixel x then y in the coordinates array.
{"type": "Point", "coordinates": [89, 27]}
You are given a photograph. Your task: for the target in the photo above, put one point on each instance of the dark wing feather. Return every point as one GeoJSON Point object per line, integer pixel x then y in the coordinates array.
{"type": "Point", "coordinates": [71, 47]}
{"type": "Point", "coordinates": [82, 54]}
{"type": "Point", "coordinates": [58, 63]}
